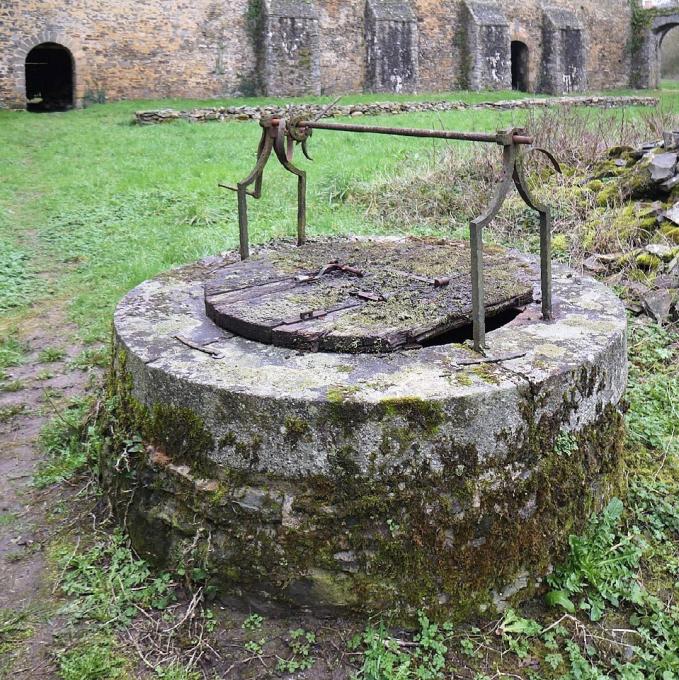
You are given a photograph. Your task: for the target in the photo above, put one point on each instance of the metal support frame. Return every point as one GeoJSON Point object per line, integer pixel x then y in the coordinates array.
{"type": "Point", "coordinates": [280, 136]}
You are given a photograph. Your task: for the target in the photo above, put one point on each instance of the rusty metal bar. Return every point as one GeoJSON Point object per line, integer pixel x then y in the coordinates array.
{"type": "Point", "coordinates": [410, 132]}
{"type": "Point", "coordinates": [546, 263]}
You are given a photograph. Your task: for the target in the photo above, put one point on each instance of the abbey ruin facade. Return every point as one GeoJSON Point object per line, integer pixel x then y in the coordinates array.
{"type": "Point", "coordinates": [63, 54]}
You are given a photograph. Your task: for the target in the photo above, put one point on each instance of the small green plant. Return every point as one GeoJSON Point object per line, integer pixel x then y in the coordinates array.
{"type": "Point", "coordinates": [44, 374]}
{"type": "Point", "coordinates": [50, 355]}
{"type": "Point", "coordinates": [565, 445]}
{"type": "Point", "coordinates": [7, 518]}
{"type": "Point", "coordinates": [175, 671]}
{"type": "Point", "coordinates": [70, 441]}
{"type": "Point", "coordinates": [12, 386]}
{"type": "Point", "coordinates": [11, 411]}
{"type": "Point", "coordinates": [12, 352]}
{"type": "Point", "coordinates": [603, 560]}
{"type": "Point", "coordinates": [300, 643]}
{"type": "Point", "coordinates": [469, 648]}
{"type": "Point", "coordinates": [91, 357]}
{"type": "Point", "coordinates": [109, 582]}
{"type": "Point", "coordinates": [516, 632]}
{"type": "Point", "coordinates": [13, 629]}
{"type": "Point", "coordinates": [255, 646]}
{"type": "Point", "coordinates": [253, 622]}
{"type": "Point", "coordinates": [387, 658]}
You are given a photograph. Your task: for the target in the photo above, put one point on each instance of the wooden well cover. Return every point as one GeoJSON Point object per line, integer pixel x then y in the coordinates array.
{"type": "Point", "coordinates": [360, 295]}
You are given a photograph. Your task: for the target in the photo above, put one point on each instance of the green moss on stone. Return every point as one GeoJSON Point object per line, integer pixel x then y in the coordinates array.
{"type": "Point", "coordinates": [229, 439]}
{"type": "Point", "coordinates": [671, 232]}
{"type": "Point", "coordinates": [445, 540]}
{"type": "Point", "coordinates": [426, 414]}
{"type": "Point", "coordinates": [648, 261]}
{"type": "Point", "coordinates": [296, 429]}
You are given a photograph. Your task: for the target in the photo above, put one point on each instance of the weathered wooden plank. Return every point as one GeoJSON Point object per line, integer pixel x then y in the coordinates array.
{"type": "Point", "coordinates": [366, 296]}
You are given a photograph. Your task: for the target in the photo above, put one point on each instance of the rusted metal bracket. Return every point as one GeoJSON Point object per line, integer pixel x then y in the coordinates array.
{"type": "Point", "coordinates": [512, 173]}
{"type": "Point", "coordinates": [280, 135]}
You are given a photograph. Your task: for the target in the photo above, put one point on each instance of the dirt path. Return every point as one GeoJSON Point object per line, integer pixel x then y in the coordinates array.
{"type": "Point", "coordinates": [28, 608]}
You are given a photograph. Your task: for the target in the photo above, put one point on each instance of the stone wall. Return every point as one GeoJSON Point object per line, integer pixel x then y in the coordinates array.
{"type": "Point", "coordinates": [392, 46]}
{"type": "Point", "coordinates": [245, 112]}
{"type": "Point", "coordinates": [290, 48]}
{"type": "Point", "coordinates": [124, 49]}
{"type": "Point", "coordinates": [211, 48]}
{"type": "Point", "coordinates": [564, 52]}
{"type": "Point", "coordinates": [488, 47]}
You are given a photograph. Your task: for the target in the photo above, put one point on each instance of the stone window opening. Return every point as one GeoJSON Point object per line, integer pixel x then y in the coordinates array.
{"type": "Point", "coordinates": [49, 78]}
{"type": "Point", "coordinates": [519, 56]}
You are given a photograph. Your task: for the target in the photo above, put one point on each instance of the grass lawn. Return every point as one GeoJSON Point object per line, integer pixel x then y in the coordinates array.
{"type": "Point", "coordinates": [91, 205]}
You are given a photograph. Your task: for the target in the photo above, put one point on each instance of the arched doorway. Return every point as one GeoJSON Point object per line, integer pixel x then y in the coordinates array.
{"type": "Point", "coordinates": [519, 66]}
{"type": "Point", "coordinates": [49, 78]}
{"type": "Point", "coordinates": [648, 52]}
{"type": "Point", "coordinates": [669, 54]}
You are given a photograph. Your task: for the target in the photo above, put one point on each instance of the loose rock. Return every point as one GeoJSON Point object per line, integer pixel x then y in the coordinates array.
{"type": "Point", "coordinates": [657, 304]}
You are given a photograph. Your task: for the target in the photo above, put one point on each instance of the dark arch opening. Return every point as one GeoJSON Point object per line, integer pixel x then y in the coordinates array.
{"type": "Point", "coordinates": [519, 66]}
{"type": "Point", "coordinates": [49, 78]}
{"type": "Point", "coordinates": [668, 47]}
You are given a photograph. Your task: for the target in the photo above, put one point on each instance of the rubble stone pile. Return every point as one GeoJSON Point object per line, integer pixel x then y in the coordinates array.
{"type": "Point", "coordinates": [641, 185]}
{"type": "Point", "coordinates": [235, 113]}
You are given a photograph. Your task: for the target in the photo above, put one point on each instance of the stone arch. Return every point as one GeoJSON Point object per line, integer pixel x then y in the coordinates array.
{"type": "Point", "coordinates": [661, 33]}
{"type": "Point", "coordinates": [49, 78]}
{"type": "Point", "coordinates": [646, 59]}
{"type": "Point", "coordinates": [669, 54]}
{"type": "Point", "coordinates": [23, 47]}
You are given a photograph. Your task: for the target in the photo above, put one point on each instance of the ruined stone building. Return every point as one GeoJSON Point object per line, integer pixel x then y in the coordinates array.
{"type": "Point", "coordinates": [55, 54]}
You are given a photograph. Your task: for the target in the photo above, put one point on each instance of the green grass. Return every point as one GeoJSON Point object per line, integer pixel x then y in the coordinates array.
{"type": "Point", "coordinates": [109, 581]}
{"type": "Point", "coordinates": [94, 658]}
{"type": "Point", "coordinates": [12, 386]}
{"type": "Point", "coordinates": [68, 441]}
{"type": "Point", "coordinates": [18, 282]}
{"type": "Point", "coordinates": [12, 352]}
{"type": "Point", "coordinates": [50, 355]}
{"type": "Point", "coordinates": [13, 630]}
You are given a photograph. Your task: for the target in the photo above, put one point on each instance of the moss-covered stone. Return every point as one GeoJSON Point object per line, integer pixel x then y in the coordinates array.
{"type": "Point", "coordinates": [631, 225]}
{"type": "Point", "coordinates": [630, 183]}
{"type": "Point", "coordinates": [448, 541]}
{"type": "Point", "coordinates": [671, 231]}
{"type": "Point", "coordinates": [648, 261]}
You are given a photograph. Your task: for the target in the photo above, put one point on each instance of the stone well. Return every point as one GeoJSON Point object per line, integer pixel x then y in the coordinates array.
{"type": "Point", "coordinates": [317, 432]}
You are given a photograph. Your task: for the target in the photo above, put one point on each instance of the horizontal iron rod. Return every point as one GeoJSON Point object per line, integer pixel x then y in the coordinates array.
{"type": "Point", "coordinates": [412, 132]}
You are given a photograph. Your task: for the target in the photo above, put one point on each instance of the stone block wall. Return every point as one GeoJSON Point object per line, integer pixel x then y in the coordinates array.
{"type": "Point", "coordinates": [488, 47]}
{"type": "Point", "coordinates": [211, 48]}
{"type": "Point", "coordinates": [290, 46]}
{"type": "Point", "coordinates": [132, 50]}
{"type": "Point", "coordinates": [392, 46]}
{"type": "Point", "coordinates": [564, 56]}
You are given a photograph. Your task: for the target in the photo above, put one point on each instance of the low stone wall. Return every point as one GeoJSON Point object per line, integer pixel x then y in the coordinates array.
{"type": "Point", "coordinates": [230, 113]}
